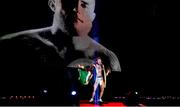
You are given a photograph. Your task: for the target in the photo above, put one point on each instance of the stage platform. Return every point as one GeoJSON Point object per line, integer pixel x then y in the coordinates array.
{"type": "Point", "coordinates": [85, 103]}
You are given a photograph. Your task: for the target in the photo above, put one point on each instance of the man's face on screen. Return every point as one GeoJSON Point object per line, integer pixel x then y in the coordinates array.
{"type": "Point", "coordinates": [85, 16]}
{"type": "Point", "coordinates": [89, 7]}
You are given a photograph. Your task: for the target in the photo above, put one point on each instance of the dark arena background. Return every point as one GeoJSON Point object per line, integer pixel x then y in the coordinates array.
{"type": "Point", "coordinates": [143, 34]}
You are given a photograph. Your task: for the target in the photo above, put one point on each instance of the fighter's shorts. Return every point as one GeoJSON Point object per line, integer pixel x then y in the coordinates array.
{"type": "Point", "coordinates": [99, 80]}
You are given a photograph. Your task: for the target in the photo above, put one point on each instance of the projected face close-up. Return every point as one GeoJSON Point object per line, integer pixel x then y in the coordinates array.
{"type": "Point", "coordinates": [85, 17]}
{"type": "Point", "coordinates": [89, 7]}
{"type": "Point", "coordinates": [84, 10]}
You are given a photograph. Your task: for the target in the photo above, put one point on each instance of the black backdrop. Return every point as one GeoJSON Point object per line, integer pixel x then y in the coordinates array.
{"type": "Point", "coordinates": [142, 34]}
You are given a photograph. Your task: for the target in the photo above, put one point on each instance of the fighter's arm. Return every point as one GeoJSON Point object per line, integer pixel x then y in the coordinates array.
{"type": "Point", "coordinates": [108, 71]}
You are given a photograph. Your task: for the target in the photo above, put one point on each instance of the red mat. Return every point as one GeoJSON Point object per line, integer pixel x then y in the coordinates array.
{"type": "Point", "coordinates": [105, 103]}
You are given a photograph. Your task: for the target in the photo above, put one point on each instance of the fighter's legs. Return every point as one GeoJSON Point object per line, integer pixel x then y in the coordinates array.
{"type": "Point", "coordinates": [102, 90]}
{"type": "Point", "coordinates": [102, 86]}
{"type": "Point", "coordinates": [94, 90]}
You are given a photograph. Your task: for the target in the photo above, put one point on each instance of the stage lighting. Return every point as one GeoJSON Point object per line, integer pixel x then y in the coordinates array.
{"type": "Point", "coordinates": [45, 91]}
{"type": "Point", "coordinates": [73, 93]}
{"type": "Point", "coordinates": [3, 98]}
{"type": "Point", "coordinates": [136, 92]}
